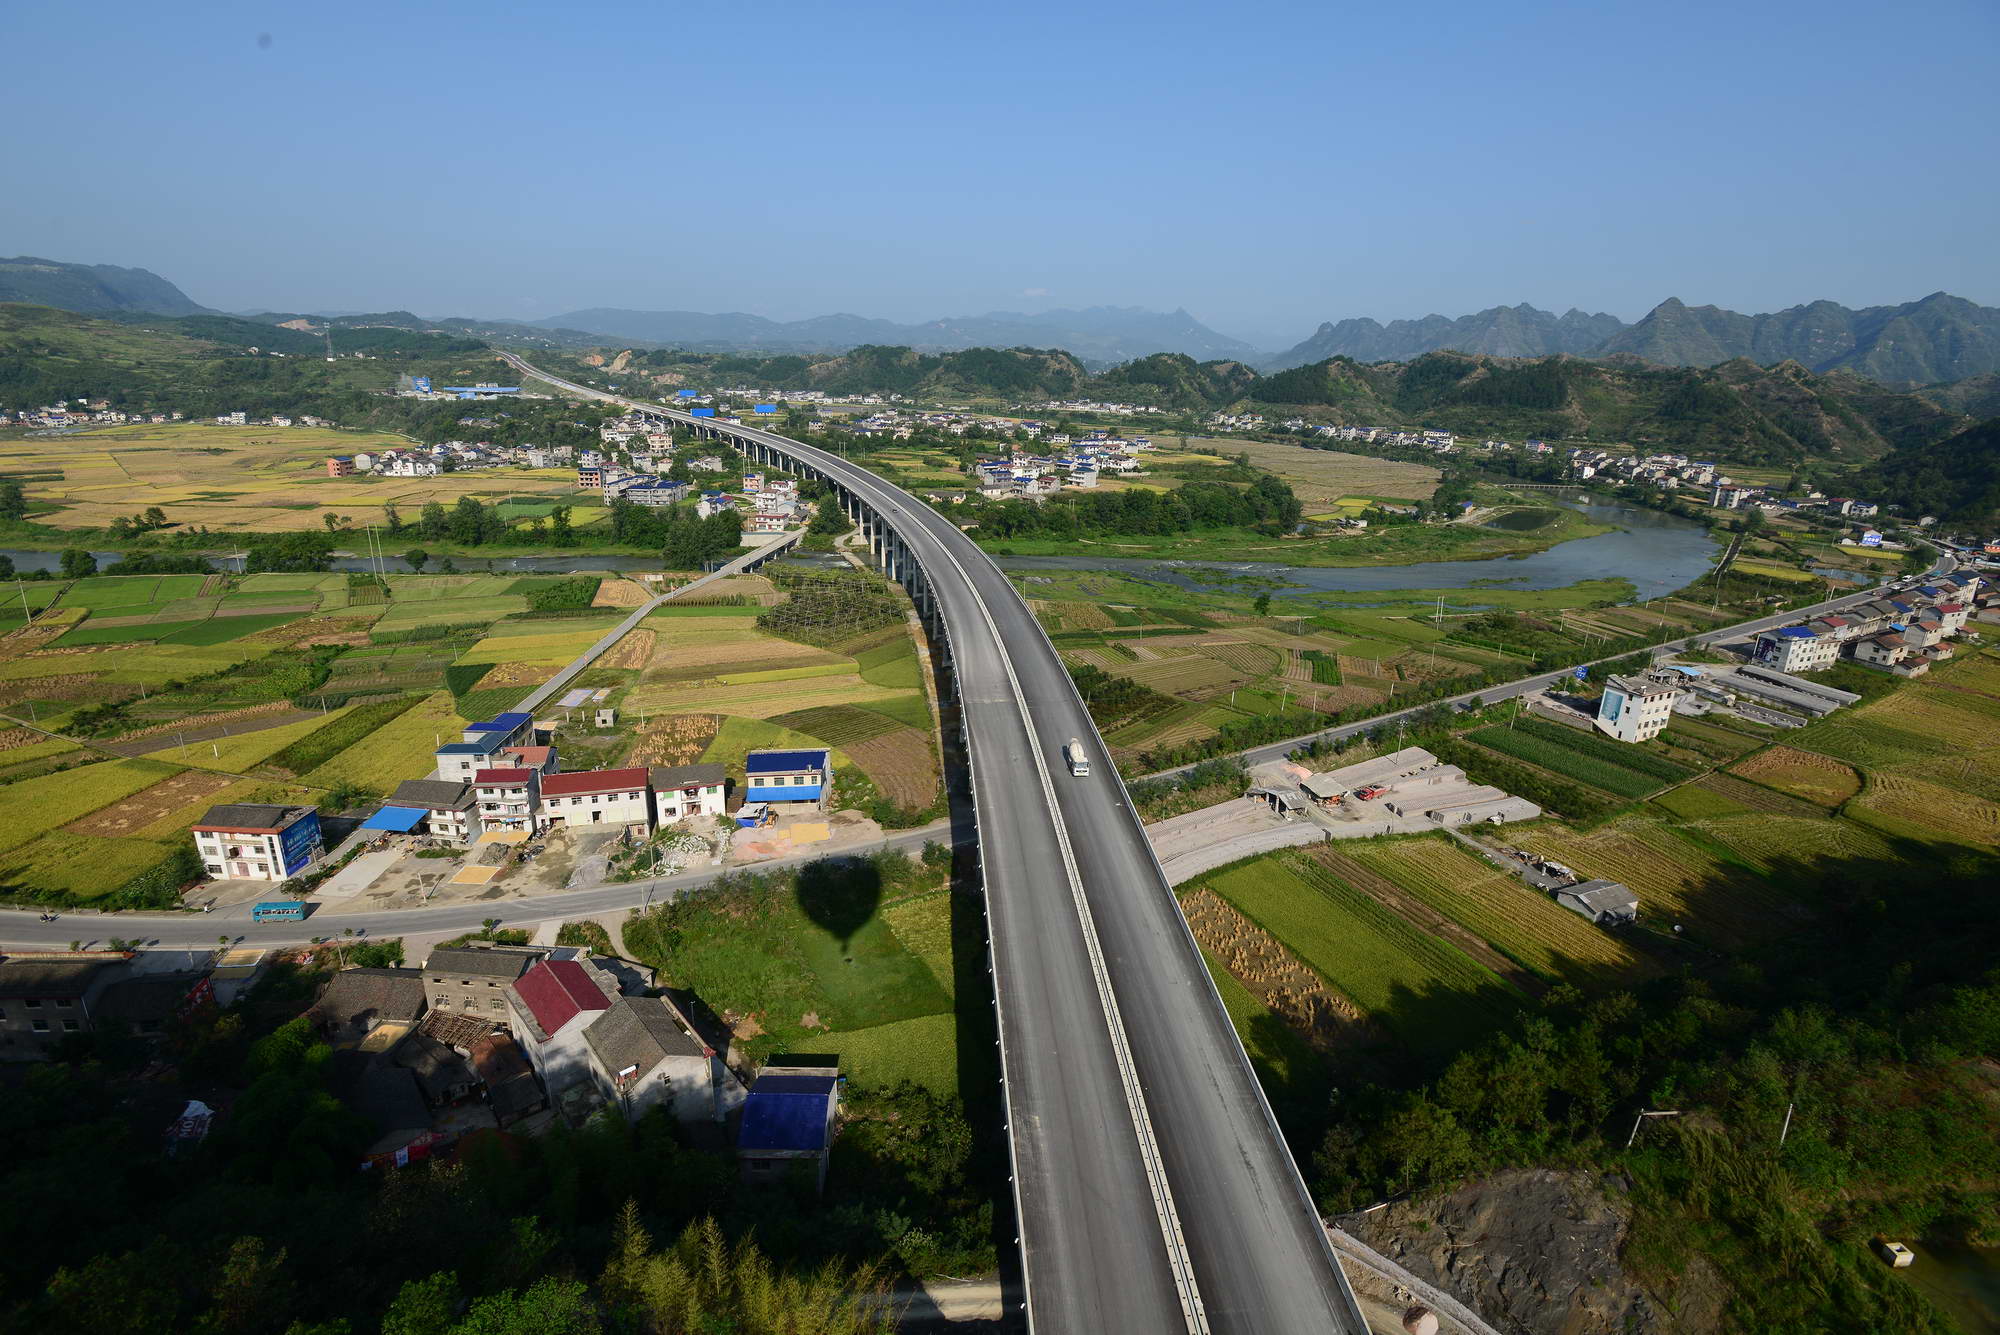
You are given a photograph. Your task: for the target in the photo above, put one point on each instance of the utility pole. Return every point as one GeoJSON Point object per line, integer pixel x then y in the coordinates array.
{"type": "Point", "coordinates": [1786, 1130]}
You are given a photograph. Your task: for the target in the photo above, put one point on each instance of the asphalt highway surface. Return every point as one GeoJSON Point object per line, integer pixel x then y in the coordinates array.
{"type": "Point", "coordinates": [1154, 1191]}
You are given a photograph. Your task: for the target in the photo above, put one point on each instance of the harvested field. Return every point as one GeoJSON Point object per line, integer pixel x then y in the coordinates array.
{"type": "Point", "coordinates": [1525, 927]}
{"type": "Point", "coordinates": [1184, 675]}
{"type": "Point", "coordinates": [1276, 977]}
{"type": "Point", "coordinates": [1949, 813]}
{"type": "Point", "coordinates": [673, 739]}
{"type": "Point", "coordinates": [1255, 659]}
{"type": "Point", "coordinates": [634, 651]}
{"type": "Point", "coordinates": [243, 715]}
{"type": "Point", "coordinates": [1327, 699]}
{"type": "Point", "coordinates": [1082, 616]}
{"type": "Point", "coordinates": [151, 805]}
{"type": "Point", "coordinates": [515, 674]}
{"type": "Point", "coordinates": [902, 765]}
{"type": "Point", "coordinates": [61, 686]}
{"type": "Point", "coordinates": [317, 630]}
{"type": "Point", "coordinates": [621, 593]}
{"type": "Point", "coordinates": [1806, 774]}
{"type": "Point", "coordinates": [1321, 478]}
{"type": "Point", "coordinates": [1760, 798]}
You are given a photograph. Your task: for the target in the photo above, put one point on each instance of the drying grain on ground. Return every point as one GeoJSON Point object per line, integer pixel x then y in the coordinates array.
{"type": "Point", "coordinates": [674, 739]}
{"type": "Point", "coordinates": [1276, 977]}
{"type": "Point", "coordinates": [634, 651]}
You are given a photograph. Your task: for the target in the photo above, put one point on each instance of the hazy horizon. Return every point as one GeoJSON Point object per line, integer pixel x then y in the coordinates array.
{"type": "Point", "coordinates": [1291, 166]}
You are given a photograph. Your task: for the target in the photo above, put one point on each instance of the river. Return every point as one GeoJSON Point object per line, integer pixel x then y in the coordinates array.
{"type": "Point", "coordinates": [1658, 553]}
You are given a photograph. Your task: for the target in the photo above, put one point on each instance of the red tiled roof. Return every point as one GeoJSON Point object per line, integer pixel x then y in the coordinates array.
{"type": "Point", "coordinates": [501, 776]}
{"type": "Point", "coordinates": [557, 991]}
{"type": "Point", "coordinates": [528, 755]}
{"type": "Point", "coordinates": [595, 781]}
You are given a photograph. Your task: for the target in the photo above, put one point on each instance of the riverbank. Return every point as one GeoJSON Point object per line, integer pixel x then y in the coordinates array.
{"type": "Point", "coordinates": [1397, 545]}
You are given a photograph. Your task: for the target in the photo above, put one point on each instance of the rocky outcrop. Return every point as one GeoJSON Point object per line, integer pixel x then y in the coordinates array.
{"type": "Point", "coordinates": [1534, 1252]}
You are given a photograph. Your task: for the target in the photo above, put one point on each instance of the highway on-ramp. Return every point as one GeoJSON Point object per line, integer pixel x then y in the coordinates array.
{"type": "Point", "coordinates": [1154, 1192]}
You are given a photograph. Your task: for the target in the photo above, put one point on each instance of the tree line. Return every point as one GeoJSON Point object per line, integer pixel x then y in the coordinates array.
{"type": "Point", "coordinates": [1266, 505]}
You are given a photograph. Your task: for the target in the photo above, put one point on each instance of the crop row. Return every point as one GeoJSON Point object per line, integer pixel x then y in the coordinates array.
{"type": "Point", "coordinates": [1603, 748]}
{"type": "Point", "coordinates": [1568, 761]}
{"type": "Point", "coordinates": [1519, 920]}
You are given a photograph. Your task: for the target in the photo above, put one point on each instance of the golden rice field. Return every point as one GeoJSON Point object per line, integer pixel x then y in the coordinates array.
{"type": "Point", "coordinates": [1945, 811]}
{"type": "Point", "coordinates": [403, 748]}
{"type": "Point", "coordinates": [37, 806]}
{"type": "Point", "coordinates": [242, 478]}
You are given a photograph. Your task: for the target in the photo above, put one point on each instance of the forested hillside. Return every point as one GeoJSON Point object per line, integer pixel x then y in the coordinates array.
{"type": "Point", "coordinates": [201, 365]}
{"type": "Point", "coordinates": [1957, 478]}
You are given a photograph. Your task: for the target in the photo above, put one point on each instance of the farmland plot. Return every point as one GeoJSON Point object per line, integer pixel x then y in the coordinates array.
{"type": "Point", "coordinates": [36, 806]}
{"type": "Point", "coordinates": [1519, 920]}
{"type": "Point", "coordinates": [1428, 993]}
{"type": "Point", "coordinates": [1677, 880]}
{"type": "Point", "coordinates": [1807, 774]}
{"type": "Point", "coordinates": [1567, 761]}
{"type": "Point", "coordinates": [1939, 811]}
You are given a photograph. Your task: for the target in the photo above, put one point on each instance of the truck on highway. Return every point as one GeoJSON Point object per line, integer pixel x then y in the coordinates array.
{"type": "Point", "coordinates": [1079, 760]}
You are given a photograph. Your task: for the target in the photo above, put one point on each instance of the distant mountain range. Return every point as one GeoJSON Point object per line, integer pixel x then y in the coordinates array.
{"type": "Point", "coordinates": [1100, 335]}
{"type": "Point", "coordinates": [1936, 340]}
{"type": "Point", "coordinates": [1504, 331]}
{"type": "Point", "coordinates": [1939, 338]}
{"type": "Point", "coordinates": [91, 288]}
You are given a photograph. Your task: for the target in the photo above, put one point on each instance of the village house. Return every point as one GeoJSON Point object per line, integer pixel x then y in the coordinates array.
{"type": "Point", "coordinates": [788, 1119]}
{"type": "Point", "coordinates": [468, 980]}
{"type": "Point", "coordinates": [552, 1003]}
{"type": "Point", "coordinates": [682, 791]}
{"type": "Point", "coordinates": [598, 797]}
{"type": "Point", "coordinates": [257, 841]}
{"type": "Point", "coordinates": [645, 1054]}
{"type": "Point", "coordinates": [449, 807]}
{"type": "Point", "coordinates": [509, 799]}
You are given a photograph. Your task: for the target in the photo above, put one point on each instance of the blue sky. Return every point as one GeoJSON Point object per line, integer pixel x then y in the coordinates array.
{"type": "Point", "coordinates": [1267, 166]}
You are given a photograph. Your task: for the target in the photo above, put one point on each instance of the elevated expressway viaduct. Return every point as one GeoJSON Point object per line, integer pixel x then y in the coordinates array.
{"type": "Point", "coordinates": [1153, 1190]}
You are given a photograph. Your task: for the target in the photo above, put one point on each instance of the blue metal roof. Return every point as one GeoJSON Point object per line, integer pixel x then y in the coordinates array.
{"type": "Point", "coordinates": [1797, 632]}
{"type": "Point", "coordinates": [786, 1118]}
{"type": "Point", "coordinates": [400, 819]}
{"type": "Point", "coordinates": [777, 762]}
{"type": "Point", "coordinates": [501, 723]}
{"type": "Point", "coordinates": [484, 746]}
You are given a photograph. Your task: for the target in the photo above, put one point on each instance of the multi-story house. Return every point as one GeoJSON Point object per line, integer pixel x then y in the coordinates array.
{"type": "Point", "coordinates": [257, 841]}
